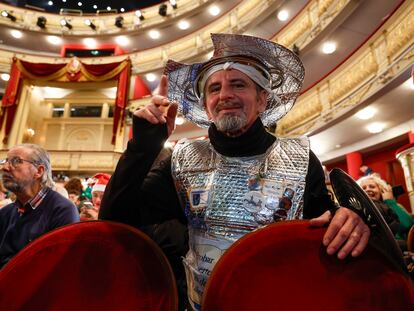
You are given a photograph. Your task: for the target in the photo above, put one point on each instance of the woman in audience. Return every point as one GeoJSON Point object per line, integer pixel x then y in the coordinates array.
{"type": "Point", "coordinates": [380, 192]}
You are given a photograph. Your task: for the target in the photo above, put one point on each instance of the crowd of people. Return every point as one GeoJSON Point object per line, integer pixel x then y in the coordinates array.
{"type": "Point", "coordinates": [33, 204]}
{"type": "Point", "coordinates": [196, 202]}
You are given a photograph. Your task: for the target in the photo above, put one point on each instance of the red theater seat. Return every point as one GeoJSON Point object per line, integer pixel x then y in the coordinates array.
{"type": "Point", "coordinates": [93, 265]}
{"type": "Point", "coordinates": [285, 267]}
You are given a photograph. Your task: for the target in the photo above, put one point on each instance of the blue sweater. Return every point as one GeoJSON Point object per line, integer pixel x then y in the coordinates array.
{"type": "Point", "coordinates": [16, 230]}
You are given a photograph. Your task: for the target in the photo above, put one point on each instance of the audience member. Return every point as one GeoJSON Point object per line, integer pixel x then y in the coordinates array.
{"type": "Point", "coordinates": [91, 211]}
{"type": "Point", "coordinates": [232, 183]}
{"type": "Point", "coordinates": [366, 171]}
{"type": "Point", "coordinates": [381, 194]}
{"type": "Point", "coordinates": [37, 209]}
{"type": "Point", "coordinates": [75, 188]}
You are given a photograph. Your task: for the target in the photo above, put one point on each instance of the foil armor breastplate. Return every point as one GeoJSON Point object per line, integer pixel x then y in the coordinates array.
{"type": "Point", "coordinates": [227, 197]}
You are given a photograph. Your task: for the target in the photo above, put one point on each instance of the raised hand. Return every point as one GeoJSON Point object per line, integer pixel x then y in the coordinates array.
{"type": "Point", "coordinates": [160, 110]}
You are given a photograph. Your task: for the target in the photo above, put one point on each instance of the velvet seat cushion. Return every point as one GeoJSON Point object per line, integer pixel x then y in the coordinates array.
{"type": "Point", "coordinates": [95, 265]}
{"type": "Point", "coordinates": [284, 266]}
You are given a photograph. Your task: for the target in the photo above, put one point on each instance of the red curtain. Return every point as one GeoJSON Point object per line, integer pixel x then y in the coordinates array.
{"type": "Point", "coordinates": [74, 70]}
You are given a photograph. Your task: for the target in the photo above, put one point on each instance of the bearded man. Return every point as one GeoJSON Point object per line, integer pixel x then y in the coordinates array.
{"type": "Point", "coordinates": [38, 209]}
{"type": "Point", "coordinates": [242, 177]}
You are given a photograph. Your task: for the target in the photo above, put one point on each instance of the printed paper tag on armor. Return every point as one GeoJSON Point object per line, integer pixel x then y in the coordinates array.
{"type": "Point", "coordinates": [253, 201]}
{"type": "Point", "coordinates": [273, 188]}
{"type": "Point", "coordinates": [207, 253]}
{"type": "Point", "coordinates": [198, 199]}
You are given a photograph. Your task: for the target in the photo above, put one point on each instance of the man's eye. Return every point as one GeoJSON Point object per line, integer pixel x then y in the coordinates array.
{"type": "Point", "coordinates": [238, 85]}
{"type": "Point", "coordinates": [214, 89]}
{"type": "Point", "coordinates": [16, 161]}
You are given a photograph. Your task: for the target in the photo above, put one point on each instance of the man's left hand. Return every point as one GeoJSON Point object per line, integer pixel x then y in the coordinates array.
{"type": "Point", "coordinates": [346, 234]}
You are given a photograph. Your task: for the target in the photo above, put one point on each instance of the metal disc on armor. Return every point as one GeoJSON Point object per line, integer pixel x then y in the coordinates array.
{"type": "Point", "coordinates": [350, 195]}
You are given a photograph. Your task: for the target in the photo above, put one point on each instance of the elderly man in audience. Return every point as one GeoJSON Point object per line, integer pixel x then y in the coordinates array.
{"type": "Point", "coordinates": [38, 209]}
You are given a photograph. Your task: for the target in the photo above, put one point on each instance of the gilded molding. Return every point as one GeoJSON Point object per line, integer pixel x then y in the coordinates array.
{"type": "Point", "coordinates": [311, 22]}
{"type": "Point", "coordinates": [360, 70]}
{"type": "Point", "coordinates": [291, 35]}
{"type": "Point", "coordinates": [401, 34]}
{"type": "Point", "coordinates": [389, 52]}
{"type": "Point", "coordinates": [304, 111]}
{"type": "Point", "coordinates": [105, 23]}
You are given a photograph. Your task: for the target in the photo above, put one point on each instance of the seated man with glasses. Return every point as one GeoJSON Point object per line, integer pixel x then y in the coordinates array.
{"type": "Point", "coordinates": [38, 209]}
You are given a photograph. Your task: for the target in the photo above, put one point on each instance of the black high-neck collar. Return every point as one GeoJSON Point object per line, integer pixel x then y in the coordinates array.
{"type": "Point", "coordinates": [256, 140]}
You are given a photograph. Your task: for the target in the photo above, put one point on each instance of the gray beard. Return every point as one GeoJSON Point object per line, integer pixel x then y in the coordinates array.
{"type": "Point", "coordinates": [11, 185]}
{"type": "Point", "coordinates": [231, 123]}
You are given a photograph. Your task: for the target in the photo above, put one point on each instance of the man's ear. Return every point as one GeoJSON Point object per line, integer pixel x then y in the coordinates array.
{"type": "Point", "coordinates": [40, 171]}
{"type": "Point", "coordinates": [262, 100]}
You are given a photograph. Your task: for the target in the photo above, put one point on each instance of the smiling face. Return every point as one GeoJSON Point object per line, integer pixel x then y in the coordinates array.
{"type": "Point", "coordinates": [233, 101]}
{"type": "Point", "coordinates": [371, 188]}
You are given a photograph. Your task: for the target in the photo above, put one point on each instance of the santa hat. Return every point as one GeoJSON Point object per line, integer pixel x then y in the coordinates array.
{"type": "Point", "coordinates": [100, 181]}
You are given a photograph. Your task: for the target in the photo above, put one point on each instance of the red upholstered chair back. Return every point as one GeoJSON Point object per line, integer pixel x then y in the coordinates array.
{"type": "Point", "coordinates": [93, 265]}
{"type": "Point", "coordinates": [285, 267]}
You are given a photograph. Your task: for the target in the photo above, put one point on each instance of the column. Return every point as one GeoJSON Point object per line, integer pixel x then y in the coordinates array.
{"type": "Point", "coordinates": [411, 137]}
{"type": "Point", "coordinates": [354, 162]}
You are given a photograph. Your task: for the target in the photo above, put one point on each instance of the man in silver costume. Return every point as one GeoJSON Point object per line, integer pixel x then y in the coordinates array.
{"type": "Point", "coordinates": [238, 180]}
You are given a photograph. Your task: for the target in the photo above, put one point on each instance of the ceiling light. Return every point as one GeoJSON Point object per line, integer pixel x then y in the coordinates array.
{"type": "Point", "coordinates": [410, 83]}
{"type": "Point", "coordinates": [16, 33]}
{"type": "Point", "coordinates": [173, 4]}
{"type": "Point", "coordinates": [214, 10]}
{"type": "Point", "coordinates": [41, 22]}
{"type": "Point", "coordinates": [5, 76]}
{"type": "Point", "coordinates": [89, 23]}
{"type": "Point", "coordinates": [108, 8]}
{"type": "Point", "coordinates": [119, 22]}
{"type": "Point", "coordinates": [366, 113]}
{"type": "Point", "coordinates": [79, 3]}
{"type": "Point", "coordinates": [4, 13]}
{"type": "Point", "coordinates": [150, 77]}
{"type": "Point", "coordinates": [50, 3]}
{"type": "Point", "coordinates": [179, 121]}
{"type": "Point", "coordinates": [122, 10]}
{"type": "Point", "coordinates": [283, 15]}
{"type": "Point", "coordinates": [138, 14]}
{"type": "Point", "coordinates": [54, 40]}
{"type": "Point", "coordinates": [65, 23]}
{"type": "Point", "coordinates": [89, 42]}
{"type": "Point", "coordinates": [154, 34]}
{"type": "Point", "coordinates": [63, 0]}
{"type": "Point", "coordinates": [95, 6]}
{"type": "Point", "coordinates": [122, 40]}
{"type": "Point", "coordinates": [375, 127]}
{"type": "Point", "coordinates": [162, 10]}
{"type": "Point", "coordinates": [329, 47]}
{"type": "Point", "coordinates": [183, 25]}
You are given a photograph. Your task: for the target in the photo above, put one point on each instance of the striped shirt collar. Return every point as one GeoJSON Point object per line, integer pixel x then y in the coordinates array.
{"type": "Point", "coordinates": [34, 202]}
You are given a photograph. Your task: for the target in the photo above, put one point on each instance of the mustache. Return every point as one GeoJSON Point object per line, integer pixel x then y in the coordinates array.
{"type": "Point", "coordinates": [7, 175]}
{"type": "Point", "coordinates": [227, 105]}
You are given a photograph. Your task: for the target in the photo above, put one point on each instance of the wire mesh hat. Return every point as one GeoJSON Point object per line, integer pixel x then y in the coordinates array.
{"type": "Point", "coordinates": [283, 69]}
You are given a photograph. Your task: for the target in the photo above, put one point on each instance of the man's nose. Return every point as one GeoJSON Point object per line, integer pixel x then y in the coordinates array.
{"type": "Point", "coordinates": [5, 167]}
{"type": "Point", "coordinates": [226, 92]}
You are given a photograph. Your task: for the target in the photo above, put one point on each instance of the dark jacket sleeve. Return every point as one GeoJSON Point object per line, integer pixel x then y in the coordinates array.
{"type": "Point", "coordinates": [316, 198]}
{"type": "Point", "coordinates": [140, 193]}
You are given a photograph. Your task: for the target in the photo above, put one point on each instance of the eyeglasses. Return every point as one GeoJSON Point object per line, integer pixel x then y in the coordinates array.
{"type": "Point", "coordinates": [15, 161]}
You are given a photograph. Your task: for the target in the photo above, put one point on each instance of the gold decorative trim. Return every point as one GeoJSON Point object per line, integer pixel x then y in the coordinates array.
{"type": "Point", "coordinates": [388, 53]}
